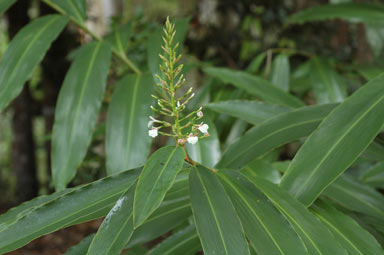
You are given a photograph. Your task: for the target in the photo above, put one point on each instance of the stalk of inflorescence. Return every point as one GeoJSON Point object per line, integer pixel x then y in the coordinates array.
{"type": "Point", "coordinates": [183, 127]}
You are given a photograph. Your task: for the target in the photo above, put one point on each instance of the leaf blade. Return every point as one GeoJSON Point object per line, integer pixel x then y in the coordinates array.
{"type": "Point", "coordinates": [127, 141]}
{"type": "Point", "coordinates": [24, 52]}
{"type": "Point", "coordinates": [216, 221]}
{"type": "Point", "coordinates": [151, 188]}
{"type": "Point", "coordinates": [77, 109]}
{"type": "Point", "coordinates": [336, 143]}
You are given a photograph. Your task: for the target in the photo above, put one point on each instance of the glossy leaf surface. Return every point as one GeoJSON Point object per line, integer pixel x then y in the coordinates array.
{"type": "Point", "coordinates": [351, 235]}
{"type": "Point", "coordinates": [356, 197]}
{"type": "Point", "coordinates": [81, 204]}
{"type": "Point", "coordinates": [127, 140]}
{"type": "Point", "coordinates": [265, 227]}
{"type": "Point", "coordinates": [185, 241]}
{"type": "Point", "coordinates": [317, 238]}
{"type": "Point", "coordinates": [116, 229]}
{"type": "Point", "coordinates": [342, 136]}
{"type": "Point", "coordinates": [24, 52]}
{"type": "Point", "coordinates": [272, 133]}
{"type": "Point", "coordinates": [155, 180]}
{"type": "Point", "coordinates": [216, 221]}
{"type": "Point", "coordinates": [253, 112]}
{"type": "Point", "coordinates": [77, 110]}
{"type": "Point", "coordinates": [255, 86]}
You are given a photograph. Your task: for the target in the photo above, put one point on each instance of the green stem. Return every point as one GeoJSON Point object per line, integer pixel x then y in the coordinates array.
{"type": "Point", "coordinates": [122, 56]}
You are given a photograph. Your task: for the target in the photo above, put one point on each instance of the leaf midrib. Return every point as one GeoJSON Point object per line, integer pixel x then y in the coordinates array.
{"type": "Point", "coordinates": [255, 214]}
{"type": "Point", "coordinates": [269, 135]}
{"type": "Point", "coordinates": [333, 147]}
{"type": "Point", "coordinates": [213, 211]}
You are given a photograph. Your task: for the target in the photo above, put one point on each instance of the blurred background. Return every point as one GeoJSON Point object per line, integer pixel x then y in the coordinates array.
{"type": "Point", "coordinates": [241, 34]}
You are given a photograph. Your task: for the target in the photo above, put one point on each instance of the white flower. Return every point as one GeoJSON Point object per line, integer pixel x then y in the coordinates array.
{"type": "Point", "coordinates": [203, 128]}
{"type": "Point", "coordinates": [153, 120]}
{"type": "Point", "coordinates": [200, 114]}
{"type": "Point", "coordinates": [192, 139]}
{"type": "Point", "coordinates": [153, 132]}
{"type": "Point", "coordinates": [178, 104]}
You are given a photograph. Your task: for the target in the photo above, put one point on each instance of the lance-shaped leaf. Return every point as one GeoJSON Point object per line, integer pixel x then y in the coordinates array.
{"type": "Point", "coordinates": [206, 151]}
{"type": "Point", "coordinates": [341, 137]}
{"type": "Point", "coordinates": [374, 176]}
{"type": "Point", "coordinates": [185, 241]}
{"type": "Point", "coordinates": [354, 12]}
{"type": "Point", "coordinates": [265, 227]}
{"type": "Point", "coordinates": [77, 110]}
{"type": "Point", "coordinates": [5, 4]}
{"type": "Point", "coordinates": [351, 235]}
{"type": "Point", "coordinates": [253, 112]}
{"type": "Point", "coordinates": [24, 52]}
{"type": "Point", "coordinates": [116, 229]}
{"type": "Point", "coordinates": [155, 180]}
{"type": "Point", "coordinates": [280, 72]}
{"type": "Point", "coordinates": [327, 84]}
{"type": "Point", "coordinates": [317, 238]}
{"type": "Point", "coordinates": [77, 9]}
{"type": "Point", "coordinates": [272, 133]}
{"type": "Point", "coordinates": [263, 169]}
{"type": "Point", "coordinates": [357, 197]}
{"type": "Point", "coordinates": [216, 221]}
{"type": "Point", "coordinates": [255, 86]}
{"type": "Point", "coordinates": [127, 141]}
{"type": "Point", "coordinates": [81, 204]}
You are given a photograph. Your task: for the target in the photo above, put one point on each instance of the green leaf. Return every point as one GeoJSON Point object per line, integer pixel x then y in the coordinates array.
{"type": "Point", "coordinates": [119, 37]}
{"type": "Point", "coordinates": [74, 8]}
{"type": "Point", "coordinates": [265, 227]}
{"type": "Point", "coordinates": [185, 241]}
{"type": "Point", "coordinates": [254, 112]}
{"type": "Point", "coordinates": [206, 151]}
{"type": "Point", "coordinates": [368, 13]}
{"type": "Point", "coordinates": [255, 86]}
{"type": "Point", "coordinates": [216, 221]}
{"type": "Point", "coordinates": [280, 72]}
{"type": "Point", "coordinates": [81, 204]}
{"type": "Point", "coordinates": [24, 52]}
{"type": "Point", "coordinates": [169, 215]}
{"type": "Point", "coordinates": [283, 128]}
{"type": "Point", "coordinates": [351, 235]}
{"type": "Point", "coordinates": [5, 4]}
{"type": "Point", "coordinates": [374, 176]}
{"type": "Point", "coordinates": [77, 110]}
{"type": "Point", "coordinates": [315, 235]}
{"type": "Point", "coordinates": [356, 197]}
{"type": "Point", "coordinates": [155, 41]}
{"type": "Point", "coordinates": [326, 82]}
{"type": "Point", "coordinates": [262, 169]}
{"type": "Point", "coordinates": [82, 247]}
{"type": "Point", "coordinates": [342, 136]}
{"type": "Point", "coordinates": [127, 141]}
{"type": "Point", "coordinates": [116, 229]}
{"type": "Point", "coordinates": [155, 180]}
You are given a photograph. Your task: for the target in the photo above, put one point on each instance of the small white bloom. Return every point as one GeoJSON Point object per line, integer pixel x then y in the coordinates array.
{"type": "Point", "coordinates": [150, 123]}
{"type": "Point", "coordinates": [153, 120]}
{"type": "Point", "coordinates": [192, 139]}
{"type": "Point", "coordinates": [200, 114]}
{"type": "Point", "coordinates": [153, 132]}
{"type": "Point", "coordinates": [178, 103]}
{"type": "Point", "coordinates": [203, 128]}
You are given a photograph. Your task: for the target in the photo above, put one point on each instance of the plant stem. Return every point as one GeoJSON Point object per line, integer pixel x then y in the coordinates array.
{"type": "Point", "coordinates": [82, 26]}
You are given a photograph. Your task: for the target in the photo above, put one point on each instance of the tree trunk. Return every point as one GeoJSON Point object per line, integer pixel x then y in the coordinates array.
{"type": "Point", "coordinates": [23, 148]}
